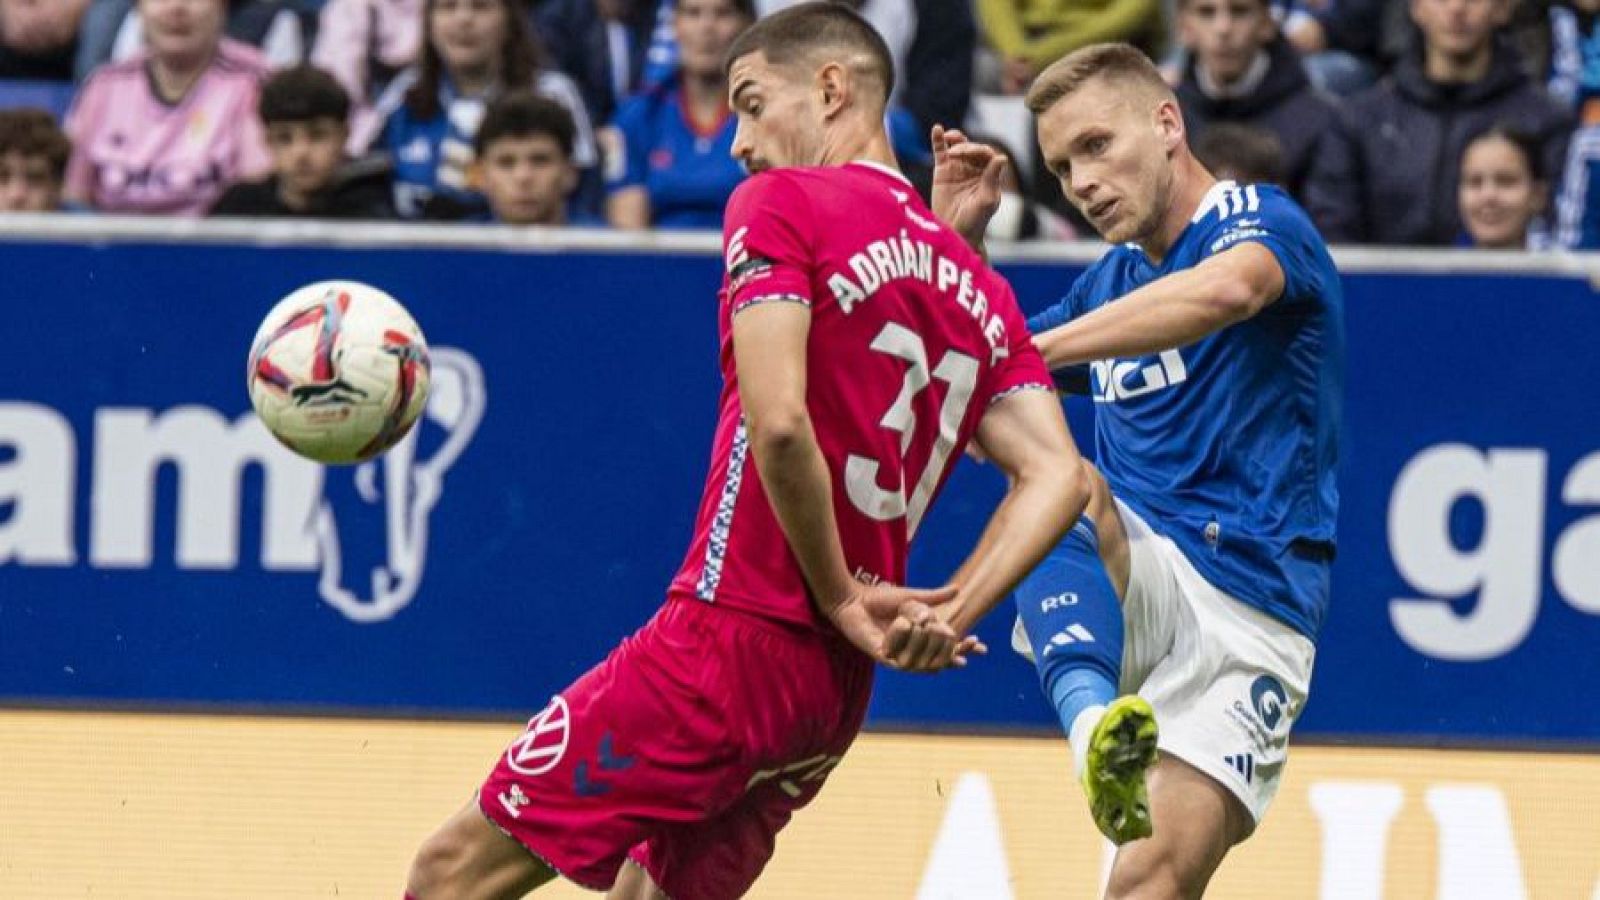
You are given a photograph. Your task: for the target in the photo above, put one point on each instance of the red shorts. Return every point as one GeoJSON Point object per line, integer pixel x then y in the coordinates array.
{"type": "Point", "coordinates": [687, 749]}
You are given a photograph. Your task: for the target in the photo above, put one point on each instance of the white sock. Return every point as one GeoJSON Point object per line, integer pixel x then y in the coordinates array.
{"type": "Point", "coordinates": [1083, 725]}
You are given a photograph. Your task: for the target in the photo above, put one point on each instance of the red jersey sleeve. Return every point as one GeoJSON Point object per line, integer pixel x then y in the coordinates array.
{"type": "Point", "coordinates": [767, 241]}
{"type": "Point", "coordinates": [1022, 368]}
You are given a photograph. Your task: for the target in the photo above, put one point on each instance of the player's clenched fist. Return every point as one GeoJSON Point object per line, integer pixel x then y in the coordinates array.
{"type": "Point", "coordinates": [897, 626]}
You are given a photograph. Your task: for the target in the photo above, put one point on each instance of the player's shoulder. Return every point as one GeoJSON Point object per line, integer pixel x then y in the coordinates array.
{"type": "Point", "coordinates": [1234, 212]}
{"type": "Point", "coordinates": [1229, 202]}
{"type": "Point", "coordinates": [778, 191]}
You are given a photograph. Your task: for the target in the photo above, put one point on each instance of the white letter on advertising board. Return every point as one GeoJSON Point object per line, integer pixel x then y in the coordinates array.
{"type": "Point", "coordinates": [37, 483]}
{"type": "Point", "coordinates": [1503, 568]}
{"type": "Point", "coordinates": [1355, 818]}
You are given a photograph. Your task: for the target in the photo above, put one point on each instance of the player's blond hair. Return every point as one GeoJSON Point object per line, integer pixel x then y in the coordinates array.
{"type": "Point", "coordinates": [1123, 64]}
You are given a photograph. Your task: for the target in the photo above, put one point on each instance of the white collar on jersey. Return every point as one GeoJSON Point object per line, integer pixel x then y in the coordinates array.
{"type": "Point", "coordinates": [1213, 198]}
{"type": "Point", "coordinates": [893, 173]}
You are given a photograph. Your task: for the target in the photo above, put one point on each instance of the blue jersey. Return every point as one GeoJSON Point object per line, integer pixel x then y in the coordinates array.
{"type": "Point", "coordinates": [689, 174]}
{"type": "Point", "coordinates": [1229, 446]}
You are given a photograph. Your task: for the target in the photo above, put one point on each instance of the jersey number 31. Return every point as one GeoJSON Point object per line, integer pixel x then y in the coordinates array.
{"type": "Point", "coordinates": [960, 373]}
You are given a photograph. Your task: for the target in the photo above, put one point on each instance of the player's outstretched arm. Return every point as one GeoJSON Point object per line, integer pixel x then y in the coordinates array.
{"type": "Point", "coordinates": [894, 625]}
{"type": "Point", "coordinates": [1172, 311]}
{"type": "Point", "coordinates": [1025, 435]}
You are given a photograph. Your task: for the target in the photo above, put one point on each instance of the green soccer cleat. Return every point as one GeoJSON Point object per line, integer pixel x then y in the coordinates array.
{"type": "Point", "coordinates": [1121, 749]}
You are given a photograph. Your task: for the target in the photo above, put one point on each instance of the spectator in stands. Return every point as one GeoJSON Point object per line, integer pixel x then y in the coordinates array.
{"type": "Point", "coordinates": [33, 161]}
{"type": "Point", "coordinates": [167, 130]}
{"type": "Point", "coordinates": [365, 44]}
{"type": "Point", "coordinates": [669, 157]}
{"type": "Point", "coordinates": [38, 38]}
{"type": "Point", "coordinates": [525, 161]}
{"type": "Point", "coordinates": [305, 114]}
{"type": "Point", "coordinates": [1028, 35]}
{"type": "Point", "coordinates": [1243, 153]}
{"type": "Point", "coordinates": [1503, 191]}
{"type": "Point", "coordinates": [280, 29]}
{"type": "Point", "coordinates": [1240, 71]}
{"type": "Point", "coordinates": [601, 45]}
{"type": "Point", "coordinates": [472, 51]}
{"type": "Point", "coordinates": [1388, 173]}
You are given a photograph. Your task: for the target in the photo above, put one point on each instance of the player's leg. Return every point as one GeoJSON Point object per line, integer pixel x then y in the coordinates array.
{"type": "Point", "coordinates": [468, 857]}
{"type": "Point", "coordinates": [1227, 692]}
{"type": "Point", "coordinates": [637, 744]}
{"type": "Point", "coordinates": [1196, 821]}
{"type": "Point", "coordinates": [1070, 608]}
{"type": "Point", "coordinates": [824, 685]}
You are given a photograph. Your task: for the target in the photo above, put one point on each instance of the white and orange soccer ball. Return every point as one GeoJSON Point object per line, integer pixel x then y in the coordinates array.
{"type": "Point", "coordinates": [338, 371]}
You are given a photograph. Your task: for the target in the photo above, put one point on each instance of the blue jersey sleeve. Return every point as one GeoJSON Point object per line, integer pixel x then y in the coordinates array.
{"type": "Point", "coordinates": [1265, 215]}
{"type": "Point", "coordinates": [1068, 379]}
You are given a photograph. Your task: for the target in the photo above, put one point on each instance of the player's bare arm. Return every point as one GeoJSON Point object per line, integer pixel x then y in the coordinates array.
{"type": "Point", "coordinates": [1027, 438]}
{"type": "Point", "coordinates": [894, 625]}
{"type": "Point", "coordinates": [1169, 312]}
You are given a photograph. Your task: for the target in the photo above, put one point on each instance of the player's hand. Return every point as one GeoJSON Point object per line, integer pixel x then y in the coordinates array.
{"type": "Point", "coordinates": [966, 182]}
{"type": "Point", "coordinates": [922, 640]}
{"type": "Point", "coordinates": [897, 627]}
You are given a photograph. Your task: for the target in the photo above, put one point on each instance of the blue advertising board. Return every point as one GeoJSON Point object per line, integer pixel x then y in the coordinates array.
{"type": "Point", "coordinates": [158, 549]}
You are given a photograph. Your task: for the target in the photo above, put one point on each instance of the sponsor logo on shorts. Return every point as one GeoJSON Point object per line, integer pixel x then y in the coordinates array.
{"type": "Point", "coordinates": [1244, 764]}
{"type": "Point", "coordinates": [791, 779]}
{"type": "Point", "coordinates": [542, 745]}
{"type": "Point", "coordinates": [1269, 700]}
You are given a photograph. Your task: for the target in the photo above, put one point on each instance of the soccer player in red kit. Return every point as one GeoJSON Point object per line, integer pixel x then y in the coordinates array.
{"type": "Point", "coordinates": [863, 346]}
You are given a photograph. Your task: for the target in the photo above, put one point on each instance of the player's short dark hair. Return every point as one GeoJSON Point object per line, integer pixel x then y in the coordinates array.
{"type": "Point", "coordinates": [808, 29]}
{"type": "Point", "coordinates": [301, 94]}
{"type": "Point", "coordinates": [1253, 155]}
{"type": "Point", "coordinates": [1124, 64]}
{"type": "Point", "coordinates": [1524, 142]}
{"type": "Point", "coordinates": [522, 114]}
{"type": "Point", "coordinates": [33, 132]}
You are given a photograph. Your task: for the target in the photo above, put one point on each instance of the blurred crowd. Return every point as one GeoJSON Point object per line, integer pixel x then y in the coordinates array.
{"type": "Point", "coordinates": [1397, 122]}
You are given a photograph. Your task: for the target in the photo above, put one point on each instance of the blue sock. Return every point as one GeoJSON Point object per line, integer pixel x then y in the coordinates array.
{"type": "Point", "coordinates": [1074, 622]}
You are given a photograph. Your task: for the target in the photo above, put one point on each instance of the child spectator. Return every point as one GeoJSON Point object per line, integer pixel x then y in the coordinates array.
{"type": "Point", "coordinates": [525, 165]}
{"type": "Point", "coordinates": [305, 114]}
{"type": "Point", "coordinates": [668, 154]}
{"type": "Point", "coordinates": [33, 161]}
{"type": "Point", "coordinates": [472, 52]}
{"type": "Point", "coordinates": [166, 131]}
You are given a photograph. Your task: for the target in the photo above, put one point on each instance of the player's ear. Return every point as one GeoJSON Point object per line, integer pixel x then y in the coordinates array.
{"type": "Point", "coordinates": [833, 88]}
{"type": "Point", "coordinates": [1169, 124]}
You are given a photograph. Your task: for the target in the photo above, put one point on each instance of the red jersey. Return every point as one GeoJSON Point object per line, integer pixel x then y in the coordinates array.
{"type": "Point", "coordinates": [912, 338]}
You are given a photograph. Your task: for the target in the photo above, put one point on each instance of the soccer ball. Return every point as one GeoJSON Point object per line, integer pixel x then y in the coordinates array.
{"type": "Point", "coordinates": [338, 372]}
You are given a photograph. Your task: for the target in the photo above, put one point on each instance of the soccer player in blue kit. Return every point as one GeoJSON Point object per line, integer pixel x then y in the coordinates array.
{"type": "Point", "coordinates": [1211, 339]}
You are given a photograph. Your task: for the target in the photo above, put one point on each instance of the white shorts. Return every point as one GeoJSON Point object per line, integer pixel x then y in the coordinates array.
{"type": "Point", "coordinates": [1226, 681]}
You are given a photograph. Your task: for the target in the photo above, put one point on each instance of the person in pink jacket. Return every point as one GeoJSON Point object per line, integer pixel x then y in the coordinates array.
{"type": "Point", "coordinates": [166, 131]}
{"type": "Point", "coordinates": [364, 44]}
